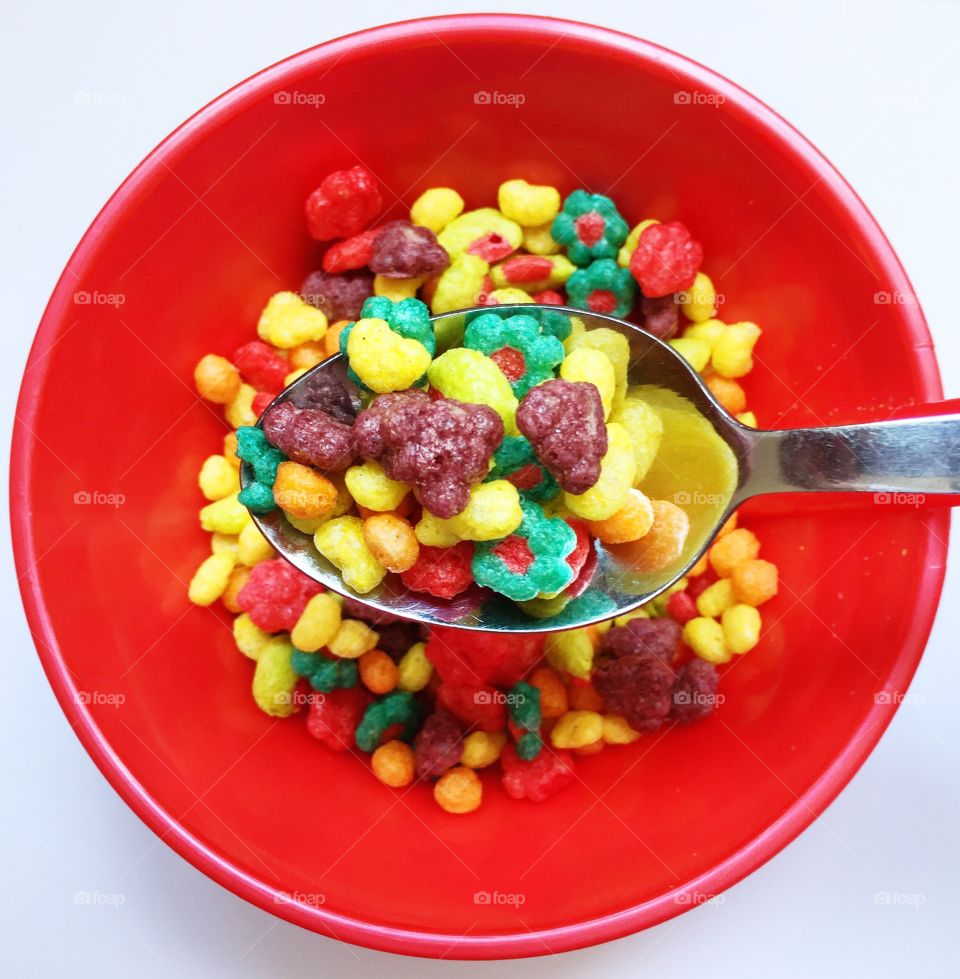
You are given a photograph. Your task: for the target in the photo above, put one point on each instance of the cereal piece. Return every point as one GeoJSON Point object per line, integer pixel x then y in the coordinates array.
{"type": "Point", "coordinates": [318, 623]}
{"type": "Point", "coordinates": [654, 637]}
{"type": "Point", "coordinates": [382, 359]}
{"type": "Point", "coordinates": [591, 366]}
{"type": "Point", "coordinates": [645, 428]}
{"type": "Point", "coordinates": [459, 790]}
{"type": "Point", "coordinates": [481, 749]}
{"type": "Point", "coordinates": [341, 542]}
{"type": "Point", "coordinates": [350, 254]}
{"type": "Point", "coordinates": [226, 516]}
{"type": "Point", "coordinates": [218, 478]}
{"type": "Point", "coordinates": [617, 349]}
{"type": "Point", "coordinates": [309, 436]}
{"type": "Point", "coordinates": [352, 639]}
{"type": "Point", "coordinates": [699, 302]}
{"type": "Point", "coordinates": [577, 729]}
{"type": "Point", "coordinates": [583, 696]}
{"type": "Point", "coordinates": [409, 318]}
{"type": "Point", "coordinates": [460, 285]}
{"type": "Point", "coordinates": [695, 352]}
{"type": "Point", "coordinates": [335, 716]}
{"type": "Point", "coordinates": [396, 290]}
{"type": "Point", "coordinates": [538, 779]}
{"type": "Point", "coordinates": [303, 493]}
{"type": "Point", "coordinates": [617, 472]}
{"type": "Point", "coordinates": [345, 202]}
{"type": "Point", "coordinates": [533, 274]}
{"type": "Point", "coordinates": [694, 692]}
{"type": "Point", "coordinates": [528, 204]}
{"type": "Point", "coordinates": [239, 412]}
{"type": "Point", "coordinates": [467, 375]}
{"type": "Point", "coordinates": [393, 764]}
{"type": "Point", "coordinates": [252, 546]}
{"type": "Point", "coordinates": [570, 652]}
{"type": "Point", "coordinates": [287, 321]}
{"type": "Point", "coordinates": [397, 707]}
{"type": "Point", "coordinates": [340, 297]}
{"type": "Point", "coordinates": [436, 207]}
{"type": "Point", "coordinates": [403, 251]}
{"type": "Point", "coordinates": [443, 572]}
{"type": "Point", "coordinates": [276, 594]}
{"type": "Point", "coordinates": [392, 541]}
{"type": "Point", "coordinates": [666, 259]}
{"type": "Point", "coordinates": [414, 669]}
{"type": "Point", "coordinates": [477, 659]}
{"type": "Point", "coordinates": [485, 233]}
{"type": "Point", "coordinates": [716, 598]}
{"type": "Point", "coordinates": [564, 422]}
{"type": "Point", "coordinates": [663, 543]}
{"type": "Point", "coordinates": [637, 687]}
{"type": "Point", "coordinates": [705, 637]}
{"type": "Point", "coordinates": [378, 672]}
{"type": "Point", "coordinates": [328, 394]}
{"type": "Point", "coordinates": [733, 351]}
{"type": "Point", "coordinates": [747, 418]}
{"type": "Point", "coordinates": [230, 449]}
{"type": "Point", "coordinates": [516, 462]}
{"type": "Point", "coordinates": [741, 628]}
{"type": "Point", "coordinates": [224, 544]}
{"type": "Point", "coordinates": [523, 708]}
{"type": "Point", "coordinates": [324, 673]}
{"type": "Point", "coordinates": [730, 550]}
{"type": "Point", "coordinates": [538, 241]}
{"type": "Point", "coordinates": [331, 340]}
{"type": "Point", "coordinates": [248, 636]}
{"type": "Point", "coordinates": [261, 366]}
{"type": "Point", "coordinates": [481, 707]}
{"type": "Point", "coordinates": [210, 579]}
{"type": "Point", "coordinates": [553, 694]}
{"type": "Point", "coordinates": [602, 287]}
{"type": "Point", "coordinates": [274, 678]}
{"type": "Point", "coordinates": [631, 522]}
{"type": "Point", "coordinates": [372, 488]}
{"type": "Point", "coordinates": [628, 247]}
{"type": "Point", "coordinates": [516, 346]}
{"type": "Point", "coordinates": [730, 395]}
{"type": "Point", "coordinates": [438, 744]}
{"type": "Point", "coordinates": [439, 446]}
{"type": "Point", "coordinates": [617, 731]}
{"type": "Point", "coordinates": [493, 511]}
{"type": "Point", "coordinates": [236, 581]}
{"type": "Point", "coordinates": [216, 379]}
{"type": "Point", "coordinates": [754, 581]}
{"type": "Point", "coordinates": [709, 331]}
{"type": "Point", "coordinates": [590, 227]}
{"type": "Point", "coordinates": [681, 607]}
{"type": "Point", "coordinates": [432, 531]}
{"type": "Point", "coordinates": [660, 316]}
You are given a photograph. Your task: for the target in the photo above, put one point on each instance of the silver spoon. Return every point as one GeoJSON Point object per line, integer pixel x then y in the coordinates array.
{"type": "Point", "coordinates": [908, 456]}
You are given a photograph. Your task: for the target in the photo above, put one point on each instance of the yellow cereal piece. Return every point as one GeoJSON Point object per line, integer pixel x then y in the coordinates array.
{"type": "Point", "coordinates": [709, 331]}
{"type": "Point", "coordinates": [747, 418]}
{"type": "Point", "coordinates": [716, 598]}
{"type": "Point", "coordinates": [352, 639]}
{"type": "Point", "coordinates": [210, 579]}
{"type": "Point", "coordinates": [341, 542]}
{"type": "Point", "coordinates": [463, 231]}
{"type": "Point", "coordinates": [436, 208]}
{"type": "Point", "coordinates": [705, 637]}
{"type": "Point", "coordinates": [493, 511]}
{"type": "Point", "coordinates": [618, 469]}
{"type": "Point", "coordinates": [239, 411]}
{"type": "Point", "coordinates": [741, 628]}
{"type": "Point", "coordinates": [695, 352]}
{"type": "Point", "coordinates": [459, 284]}
{"type": "Point", "coordinates": [230, 449]}
{"type": "Point", "coordinates": [637, 613]}
{"type": "Point", "coordinates": [467, 375]}
{"type": "Point", "coordinates": [318, 623]}
{"type": "Point", "coordinates": [287, 321]}
{"type": "Point", "coordinates": [481, 749]}
{"type": "Point", "coordinates": [458, 790]}
{"type": "Point", "coordinates": [224, 544]}
{"type": "Point", "coordinates": [432, 531]}
{"type": "Point", "coordinates": [394, 764]}
{"type": "Point", "coordinates": [414, 669]}
{"type": "Point", "coordinates": [528, 204]}
{"type": "Point", "coordinates": [397, 289]}
{"type": "Point", "coordinates": [645, 428]}
{"type": "Point", "coordinates": [216, 379]}
{"type": "Point", "coordinates": [226, 516]}
{"type": "Point", "coordinates": [617, 731]}
{"type": "Point", "coordinates": [306, 525]}
{"type": "Point", "coordinates": [733, 351]}
{"type": "Point", "coordinates": [614, 345]}
{"type": "Point", "coordinates": [539, 241]}
{"type": "Point", "coordinates": [248, 636]}
{"type": "Point", "coordinates": [576, 729]}
{"type": "Point", "coordinates": [570, 652]}
{"type": "Point", "coordinates": [699, 302]}
{"type": "Point", "coordinates": [592, 366]}
{"type": "Point", "coordinates": [626, 251]}
{"type": "Point", "coordinates": [508, 296]}
{"type": "Point", "coordinates": [274, 678]}
{"type": "Point", "coordinates": [384, 360]}
{"type": "Point", "coordinates": [294, 375]}
{"type": "Point", "coordinates": [252, 546]}
{"type": "Point", "coordinates": [372, 488]}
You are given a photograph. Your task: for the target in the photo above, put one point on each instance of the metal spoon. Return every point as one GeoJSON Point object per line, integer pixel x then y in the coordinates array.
{"type": "Point", "coordinates": [914, 455]}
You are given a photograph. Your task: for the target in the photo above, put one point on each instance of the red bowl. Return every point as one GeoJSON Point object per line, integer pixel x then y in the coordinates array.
{"type": "Point", "coordinates": [110, 435]}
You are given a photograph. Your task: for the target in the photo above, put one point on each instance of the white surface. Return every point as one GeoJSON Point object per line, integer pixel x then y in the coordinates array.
{"type": "Point", "coordinates": [874, 85]}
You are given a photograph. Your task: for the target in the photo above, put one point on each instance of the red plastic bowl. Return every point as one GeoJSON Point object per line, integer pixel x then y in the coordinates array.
{"type": "Point", "coordinates": [180, 262]}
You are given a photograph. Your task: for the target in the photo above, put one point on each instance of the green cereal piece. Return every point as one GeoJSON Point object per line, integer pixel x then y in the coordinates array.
{"type": "Point", "coordinates": [524, 701]}
{"type": "Point", "coordinates": [257, 498]}
{"type": "Point", "coordinates": [490, 332]}
{"type": "Point", "coordinates": [554, 323]}
{"type": "Point", "coordinates": [593, 287]}
{"type": "Point", "coordinates": [584, 215]}
{"type": "Point", "coordinates": [529, 746]}
{"type": "Point", "coordinates": [253, 447]}
{"type": "Point", "coordinates": [549, 539]}
{"type": "Point", "coordinates": [590, 605]}
{"type": "Point", "coordinates": [397, 707]}
{"type": "Point", "coordinates": [324, 674]}
{"type": "Point", "coordinates": [516, 453]}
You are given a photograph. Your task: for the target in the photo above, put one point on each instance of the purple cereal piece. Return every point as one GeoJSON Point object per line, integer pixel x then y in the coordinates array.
{"type": "Point", "coordinates": [326, 394]}
{"type": "Point", "coordinates": [638, 687]}
{"type": "Point", "coordinates": [310, 437]}
{"type": "Point", "coordinates": [661, 316]}
{"type": "Point", "coordinates": [694, 692]}
{"type": "Point", "coordinates": [339, 296]}
{"type": "Point", "coordinates": [438, 745]}
{"type": "Point", "coordinates": [405, 251]}
{"type": "Point", "coordinates": [659, 637]}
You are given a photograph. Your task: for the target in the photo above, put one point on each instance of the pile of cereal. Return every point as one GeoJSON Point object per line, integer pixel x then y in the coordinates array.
{"type": "Point", "coordinates": [453, 467]}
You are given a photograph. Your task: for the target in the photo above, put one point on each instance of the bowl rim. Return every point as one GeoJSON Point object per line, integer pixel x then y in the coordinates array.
{"type": "Point", "coordinates": [743, 861]}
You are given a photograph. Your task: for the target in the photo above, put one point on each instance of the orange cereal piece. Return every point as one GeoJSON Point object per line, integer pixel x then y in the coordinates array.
{"type": "Point", "coordinates": [731, 524]}
{"type": "Point", "coordinates": [754, 581]}
{"type": "Point", "coordinates": [217, 380]}
{"type": "Point", "coordinates": [307, 355]}
{"type": "Point", "coordinates": [699, 568]}
{"type": "Point", "coordinates": [303, 493]}
{"type": "Point", "coordinates": [553, 694]}
{"type": "Point", "coordinates": [590, 749]}
{"type": "Point", "coordinates": [230, 449]}
{"type": "Point", "coordinates": [583, 696]}
{"type": "Point", "coordinates": [631, 522]}
{"type": "Point", "coordinates": [392, 541]}
{"type": "Point", "coordinates": [458, 790]}
{"type": "Point", "coordinates": [663, 543]}
{"type": "Point", "coordinates": [394, 764]}
{"type": "Point", "coordinates": [728, 392]}
{"type": "Point", "coordinates": [738, 546]}
{"type": "Point", "coordinates": [236, 581]}
{"type": "Point", "coordinates": [378, 672]}
{"type": "Point", "coordinates": [331, 339]}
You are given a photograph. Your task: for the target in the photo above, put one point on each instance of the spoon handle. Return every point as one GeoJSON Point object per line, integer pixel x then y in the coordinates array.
{"type": "Point", "coordinates": [915, 457]}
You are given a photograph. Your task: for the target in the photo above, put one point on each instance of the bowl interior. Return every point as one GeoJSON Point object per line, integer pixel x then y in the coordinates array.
{"type": "Point", "coordinates": [111, 436]}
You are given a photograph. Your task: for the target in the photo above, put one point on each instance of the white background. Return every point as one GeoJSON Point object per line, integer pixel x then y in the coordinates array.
{"type": "Point", "coordinates": [875, 86]}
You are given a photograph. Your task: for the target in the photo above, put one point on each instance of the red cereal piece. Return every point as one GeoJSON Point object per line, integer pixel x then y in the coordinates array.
{"type": "Point", "coordinates": [511, 363]}
{"type": "Point", "coordinates": [261, 366]}
{"type": "Point", "coordinates": [334, 716]}
{"type": "Point", "coordinates": [638, 686]}
{"type": "Point", "coordinates": [697, 586]}
{"type": "Point", "coordinates": [343, 205]}
{"type": "Point", "coordinates": [681, 607]}
{"type": "Point", "coordinates": [482, 658]}
{"type": "Point", "coordinates": [354, 253]}
{"type": "Point", "coordinates": [549, 297]}
{"type": "Point", "coordinates": [666, 259]}
{"type": "Point", "coordinates": [582, 581]}
{"type": "Point", "coordinates": [403, 250]}
{"type": "Point", "coordinates": [261, 401]}
{"type": "Point", "coordinates": [441, 571]}
{"type": "Point", "coordinates": [275, 595]}
{"type": "Point", "coordinates": [526, 268]}
{"type": "Point", "coordinates": [694, 691]}
{"type": "Point", "coordinates": [476, 706]}
{"type": "Point", "coordinates": [491, 247]}
{"type": "Point", "coordinates": [438, 744]}
{"type": "Point", "coordinates": [538, 779]}
{"type": "Point", "coordinates": [660, 316]}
